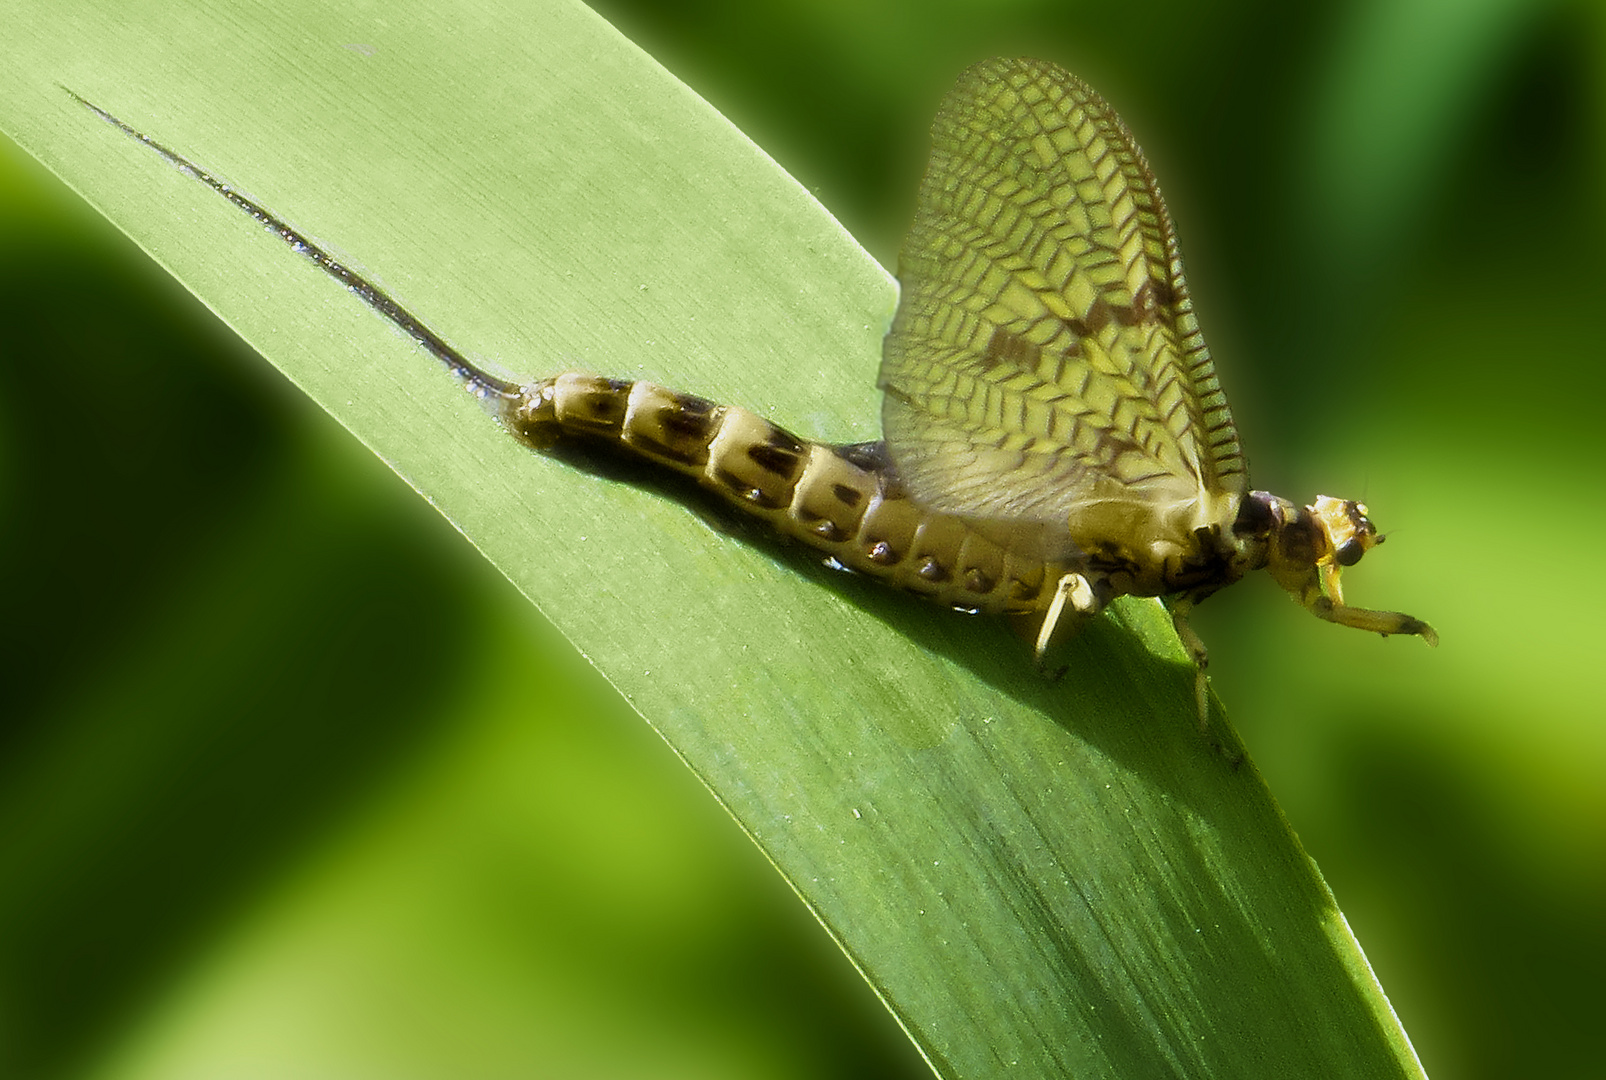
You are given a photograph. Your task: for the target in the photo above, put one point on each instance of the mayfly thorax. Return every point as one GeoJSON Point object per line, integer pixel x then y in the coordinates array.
{"type": "Point", "coordinates": [1055, 436]}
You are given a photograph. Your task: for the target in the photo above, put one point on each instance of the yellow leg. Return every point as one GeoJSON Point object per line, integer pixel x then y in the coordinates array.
{"type": "Point", "coordinates": [1075, 590]}
{"type": "Point", "coordinates": [1201, 659]}
{"type": "Point", "coordinates": [1378, 622]}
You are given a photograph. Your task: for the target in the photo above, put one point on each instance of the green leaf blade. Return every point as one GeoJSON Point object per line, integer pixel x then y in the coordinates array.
{"type": "Point", "coordinates": [1049, 878]}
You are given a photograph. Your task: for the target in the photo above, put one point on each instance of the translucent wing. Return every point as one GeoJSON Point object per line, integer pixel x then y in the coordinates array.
{"type": "Point", "coordinates": [1045, 362]}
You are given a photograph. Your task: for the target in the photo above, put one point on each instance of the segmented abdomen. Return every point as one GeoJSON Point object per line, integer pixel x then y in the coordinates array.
{"type": "Point", "coordinates": [844, 501]}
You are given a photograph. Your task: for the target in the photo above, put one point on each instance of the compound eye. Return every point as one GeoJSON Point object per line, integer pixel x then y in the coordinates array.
{"type": "Point", "coordinates": [1349, 552]}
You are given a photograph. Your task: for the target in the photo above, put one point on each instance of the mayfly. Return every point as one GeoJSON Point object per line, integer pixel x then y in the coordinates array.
{"type": "Point", "coordinates": [1055, 436]}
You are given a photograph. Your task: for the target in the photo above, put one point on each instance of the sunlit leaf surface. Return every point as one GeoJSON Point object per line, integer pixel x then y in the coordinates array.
{"type": "Point", "coordinates": [1060, 876]}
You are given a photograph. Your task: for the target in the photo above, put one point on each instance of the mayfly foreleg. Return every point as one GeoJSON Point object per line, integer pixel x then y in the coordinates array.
{"type": "Point", "coordinates": [1377, 622]}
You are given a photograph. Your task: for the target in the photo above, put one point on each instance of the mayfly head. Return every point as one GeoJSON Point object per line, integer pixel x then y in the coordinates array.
{"type": "Point", "coordinates": [1305, 549]}
{"type": "Point", "coordinates": [1348, 531]}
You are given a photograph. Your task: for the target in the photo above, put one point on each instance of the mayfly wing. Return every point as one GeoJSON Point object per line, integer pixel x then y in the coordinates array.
{"type": "Point", "coordinates": [1045, 357]}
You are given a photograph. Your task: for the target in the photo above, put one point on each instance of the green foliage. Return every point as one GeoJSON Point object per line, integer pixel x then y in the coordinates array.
{"type": "Point", "coordinates": [1019, 869]}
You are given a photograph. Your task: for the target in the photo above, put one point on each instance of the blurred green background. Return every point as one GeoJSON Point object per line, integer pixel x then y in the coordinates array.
{"type": "Point", "coordinates": [1392, 213]}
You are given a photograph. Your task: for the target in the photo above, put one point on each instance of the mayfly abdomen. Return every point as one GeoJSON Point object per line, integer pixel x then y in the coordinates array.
{"type": "Point", "coordinates": [844, 501]}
